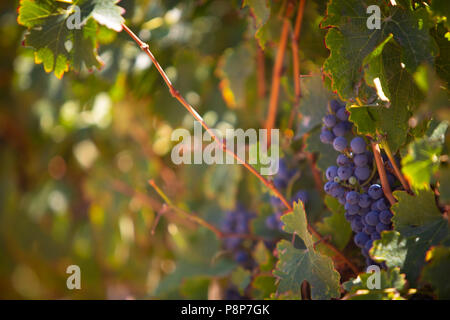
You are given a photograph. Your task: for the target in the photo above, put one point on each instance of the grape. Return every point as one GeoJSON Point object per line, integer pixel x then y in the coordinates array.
{"type": "Point", "coordinates": [280, 183]}
{"type": "Point", "coordinates": [344, 172]}
{"type": "Point", "coordinates": [335, 105]}
{"type": "Point", "coordinates": [348, 216]}
{"type": "Point", "coordinates": [276, 202]}
{"type": "Point", "coordinates": [343, 160]}
{"type": "Point", "coordinates": [381, 227]}
{"type": "Point", "coordinates": [385, 216]}
{"type": "Point", "coordinates": [368, 245]}
{"type": "Point", "coordinates": [352, 180]}
{"type": "Point", "coordinates": [375, 236]}
{"type": "Point", "coordinates": [369, 229]}
{"type": "Point", "coordinates": [362, 173]}
{"type": "Point", "coordinates": [337, 179]}
{"type": "Point", "coordinates": [342, 200]}
{"type": "Point", "coordinates": [381, 205]}
{"type": "Point", "coordinates": [391, 179]}
{"type": "Point", "coordinates": [352, 197]}
{"type": "Point", "coordinates": [342, 114]}
{"type": "Point", "coordinates": [351, 208]}
{"type": "Point", "coordinates": [361, 238]}
{"type": "Point", "coordinates": [329, 120]}
{"type": "Point", "coordinates": [272, 222]}
{"type": "Point", "coordinates": [356, 224]}
{"type": "Point", "coordinates": [372, 218]}
{"type": "Point", "coordinates": [232, 243]}
{"type": "Point", "coordinates": [363, 211]}
{"type": "Point", "coordinates": [241, 257]}
{"type": "Point", "coordinates": [340, 129]}
{"type": "Point", "coordinates": [375, 191]}
{"type": "Point", "coordinates": [327, 187]}
{"type": "Point", "coordinates": [337, 191]}
{"type": "Point", "coordinates": [300, 195]}
{"type": "Point", "coordinates": [326, 137]}
{"type": "Point", "coordinates": [339, 144]}
{"type": "Point", "coordinates": [331, 173]}
{"type": "Point", "coordinates": [364, 200]}
{"type": "Point", "coordinates": [358, 145]}
{"type": "Point", "coordinates": [360, 160]}
{"type": "Point", "coordinates": [374, 206]}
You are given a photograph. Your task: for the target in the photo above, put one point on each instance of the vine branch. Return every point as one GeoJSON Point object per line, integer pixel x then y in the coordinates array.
{"type": "Point", "coordinates": [145, 47]}
{"type": "Point", "coordinates": [382, 172]}
{"type": "Point", "coordinates": [397, 171]}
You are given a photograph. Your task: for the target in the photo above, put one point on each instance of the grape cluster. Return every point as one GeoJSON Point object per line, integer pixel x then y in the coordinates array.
{"type": "Point", "coordinates": [353, 182]}
{"type": "Point", "coordinates": [238, 222]}
{"type": "Point", "coordinates": [281, 181]}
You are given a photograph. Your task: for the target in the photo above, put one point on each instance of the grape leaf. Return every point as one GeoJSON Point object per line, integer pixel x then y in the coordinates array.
{"type": "Point", "coordinates": [436, 271]}
{"type": "Point", "coordinates": [350, 40]}
{"type": "Point", "coordinates": [195, 288]}
{"type": "Point", "coordinates": [260, 10]}
{"type": "Point", "coordinates": [418, 225]}
{"type": "Point", "coordinates": [313, 105]}
{"type": "Point", "coordinates": [335, 225]}
{"type": "Point", "coordinates": [326, 155]}
{"type": "Point", "coordinates": [296, 265]}
{"type": "Point", "coordinates": [263, 286]}
{"type": "Point", "coordinates": [241, 279]}
{"type": "Point", "coordinates": [58, 41]}
{"type": "Point", "coordinates": [391, 282]}
{"type": "Point", "coordinates": [414, 211]}
{"type": "Point", "coordinates": [422, 160]}
{"type": "Point", "coordinates": [235, 66]}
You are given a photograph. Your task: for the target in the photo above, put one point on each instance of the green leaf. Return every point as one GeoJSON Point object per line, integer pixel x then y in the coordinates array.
{"type": "Point", "coordinates": [235, 66]}
{"type": "Point", "coordinates": [58, 43]}
{"type": "Point", "coordinates": [221, 184]}
{"type": "Point", "coordinates": [413, 211]}
{"type": "Point", "coordinates": [195, 288]}
{"type": "Point", "coordinates": [419, 223]}
{"type": "Point", "coordinates": [422, 160]}
{"type": "Point", "coordinates": [241, 279]}
{"type": "Point", "coordinates": [391, 282]}
{"type": "Point", "coordinates": [335, 225]}
{"type": "Point", "coordinates": [444, 187]}
{"type": "Point", "coordinates": [263, 286]}
{"type": "Point", "coordinates": [260, 10]}
{"type": "Point", "coordinates": [313, 105]}
{"type": "Point", "coordinates": [326, 155]}
{"type": "Point", "coordinates": [350, 41]}
{"type": "Point", "coordinates": [297, 265]}
{"type": "Point", "coordinates": [436, 271]}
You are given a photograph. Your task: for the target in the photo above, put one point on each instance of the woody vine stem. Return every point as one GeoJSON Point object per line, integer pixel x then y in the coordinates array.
{"type": "Point", "coordinates": [145, 47]}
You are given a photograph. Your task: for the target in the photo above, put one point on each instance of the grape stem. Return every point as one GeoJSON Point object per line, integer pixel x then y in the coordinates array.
{"type": "Point", "coordinates": [372, 174]}
{"type": "Point", "coordinates": [382, 173]}
{"type": "Point", "coordinates": [277, 70]}
{"type": "Point", "coordinates": [296, 61]}
{"type": "Point", "coordinates": [145, 47]}
{"type": "Point", "coordinates": [397, 171]}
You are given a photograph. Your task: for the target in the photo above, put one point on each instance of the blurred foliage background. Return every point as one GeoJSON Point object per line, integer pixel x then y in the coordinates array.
{"type": "Point", "coordinates": [76, 153]}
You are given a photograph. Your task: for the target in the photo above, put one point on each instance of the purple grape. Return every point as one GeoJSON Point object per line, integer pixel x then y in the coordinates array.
{"type": "Point", "coordinates": [362, 173]}
{"type": "Point", "coordinates": [364, 200]}
{"type": "Point", "coordinates": [232, 243]}
{"type": "Point", "coordinates": [329, 120]}
{"type": "Point", "coordinates": [352, 197]}
{"type": "Point", "coordinates": [358, 145]}
{"type": "Point", "coordinates": [276, 202]}
{"type": "Point", "coordinates": [339, 144]}
{"type": "Point", "coordinates": [372, 218]}
{"type": "Point", "coordinates": [241, 257]}
{"type": "Point", "coordinates": [272, 222]}
{"type": "Point", "coordinates": [342, 114]}
{"type": "Point", "coordinates": [331, 173]}
{"type": "Point", "coordinates": [343, 160]}
{"type": "Point", "coordinates": [300, 195]}
{"type": "Point", "coordinates": [360, 160]}
{"type": "Point", "coordinates": [327, 187]}
{"type": "Point", "coordinates": [342, 200]}
{"type": "Point", "coordinates": [360, 239]}
{"type": "Point", "coordinates": [385, 216]}
{"type": "Point", "coordinates": [351, 208]}
{"type": "Point", "coordinates": [381, 205]}
{"type": "Point", "coordinates": [356, 224]}
{"type": "Point", "coordinates": [382, 227]}
{"type": "Point", "coordinates": [337, 190]}
{"type": "Point", "coordinates": [335, 106]}
{"type": "Point", "coordinates": [326, 137]}
{"type": "Point", "coordinates": [363, 211]}
{"type": "Point", "coordinates": [340, 129]}
{"type": "Point", "coordinates": [368, 245]}
{"type": "Point", "coordinates": [369, 229]}
{"type": "Point", "coordinates": [344, 172]}
{"type": "Point", "coordinates": [375, 236]}
{"type": "Point", "coordinates": [375, 191]}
